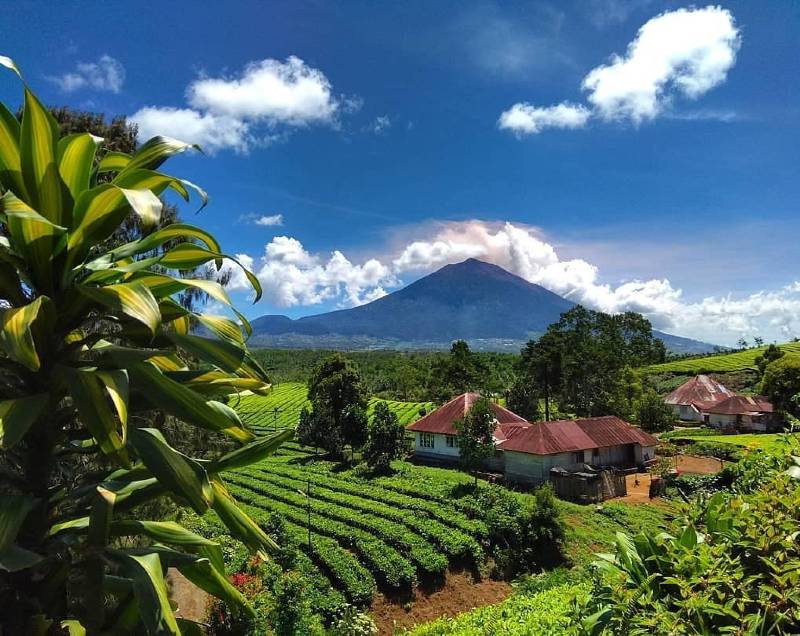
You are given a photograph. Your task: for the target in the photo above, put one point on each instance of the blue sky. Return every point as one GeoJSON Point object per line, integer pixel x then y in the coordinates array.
{"type": "Point", "coordinates": [391, 139]}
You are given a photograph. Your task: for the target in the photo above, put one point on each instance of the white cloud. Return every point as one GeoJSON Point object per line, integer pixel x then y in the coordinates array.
{"type": "Point", "coordinates": [523, 118]}
{"type": "Point", "coordinates": [258, 106]}
{"type": "Point", "coordinates": [106, 74]}
{"type": "Point", "coordinates": [211, 132]}
{"type": "Point", "coordinates": [685, 52]}
{"type": "Point", "coordinates": [288, 92]}
{"type": "Point", "coordinates": [681, 53]}
{"type": "Point", "coordinates": [293, 276]}
{"type": "Point", "coordinates": [273, 219]}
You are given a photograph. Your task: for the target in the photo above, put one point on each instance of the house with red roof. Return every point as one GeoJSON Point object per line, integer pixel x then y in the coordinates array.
{"type": "Point", "coordinates": [694, 397]}
{"type": "Point", "coordinates": [743, 413]}
{"type": "Point", "coordinates": [526, 452]}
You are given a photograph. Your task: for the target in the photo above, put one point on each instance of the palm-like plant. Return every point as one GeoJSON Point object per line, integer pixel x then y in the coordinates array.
{"type": "Point", "coordinates": [93, 350]}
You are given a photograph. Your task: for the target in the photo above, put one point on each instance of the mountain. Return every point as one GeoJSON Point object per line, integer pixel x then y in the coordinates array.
{"type": "Point", "coordinates": [481, 303]}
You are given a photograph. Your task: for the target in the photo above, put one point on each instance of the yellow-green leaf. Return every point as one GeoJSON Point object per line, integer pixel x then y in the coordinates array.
{"type": "Point", "coordinates": [10, 169]}
{"type": "Point", "coordinates": [156, 151]}
{"type": "Point", "coordinates": [39, 160]}
{"type": "Point", "coordinates": [150, 590]}
{"type": "Point", "coordinates": [175, 471]}
{"type": "Point", "coordinates": [76, 160]}
{"type": "Point", "coordinates": [17, 416]}
{"type": "Point", "coordinates": [113, 161]}
{"type": "Point", "coordinates": [17, 333]}
{"type": "Point", "coordinates": [241, 526]}
{"type": "Point", "coordinates": [132, 299]}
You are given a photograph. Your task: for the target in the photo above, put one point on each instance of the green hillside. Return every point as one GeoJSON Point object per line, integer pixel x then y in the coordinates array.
{"type": "Point", "coordinates": [281, 408]}
{"type": "Point", "coordinates": [719, 363]}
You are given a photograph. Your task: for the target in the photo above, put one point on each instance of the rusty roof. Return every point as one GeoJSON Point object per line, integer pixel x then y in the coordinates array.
{"type": "Point", "coordinates": [742, 405]}
{"type": "Point", "coordinates": [441, 420]}
{"type": "Point", "coordinates": [700, 390]}
{"type": "Point", "coordinates": [563, 436]}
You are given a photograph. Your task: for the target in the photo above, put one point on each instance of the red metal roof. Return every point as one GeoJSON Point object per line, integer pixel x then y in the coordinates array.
{"type": "Point", "coordinates": [441, 420]}
{"type": "Point", "coordinates": [741, 405]}
{"type": "Point", "coordinates": [562, 436]}
{"type": "Point", "coordinates": [700, 390]}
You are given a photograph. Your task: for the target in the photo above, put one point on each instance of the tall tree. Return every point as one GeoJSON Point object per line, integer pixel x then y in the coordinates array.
{"type": "Point", "coordinates": [74, 552]}
{"type": "Point", "coordinates": [476, 435]}
{"type": "Point", "coordinates": [385, 439]}
{"type": "Point", "coordinates": [457, 373]}
{"type": "Point", "coordinates": [781, 383]}
{"type": "Point", "coordinates": [339, 404]}
{"type": "Point", "coordinates": [582, 357]}
{"type": "Point", "coordinates": [771, 353]}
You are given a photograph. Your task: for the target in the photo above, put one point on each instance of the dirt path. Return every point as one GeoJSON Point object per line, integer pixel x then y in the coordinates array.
{"type": "Point", "coordinates": [699, 465]}
{"type": "Point", "coordinates": [460, 593]}
{"type": "Point", "coordinates": [191, 600]}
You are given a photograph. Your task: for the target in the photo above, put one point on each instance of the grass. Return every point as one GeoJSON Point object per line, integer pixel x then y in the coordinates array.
{"type": "Point", "coordinates": [719, 363]}
{"type": "Point", "coordinates": [281, 408]}
{"type": "Point", "coordinates": [762, 441]}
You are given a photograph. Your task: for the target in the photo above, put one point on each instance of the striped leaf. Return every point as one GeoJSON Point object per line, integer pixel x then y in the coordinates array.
{"type": "Point", "coordinates": [116, 385]}
{"type": "Point", "coordinates": [159, 237]}
{"type": "Point", "coordinates": [222, 327]}
{"type": "Point", "coordinates": [178, 473]}
{"type": "Point", "coordinates": [18, 330]}
{"type": "Point", "coordinates": [241, 526]}
{"type": "Point", "coordinates": [113, 161]}
{"type": "Point", "coordinates": [34, 237]}
{"type": "Point", "coordinates": [9, 63]}
{"type": "Point", "coordinates": [156, 151]}
{"type": "Point", "coordinates": [10, 169]}
{"type": "Point", "coordinates": [90, 397]}
{"type": "Point", "coordinates": [75, 159]}
{"type": "Point", "coordinates": [132, 299]}
{"type": "Point", "coordinates": [221, 353]}
{"type": "Point", "coordinates": [39, 161]}
{"type": "Point", "coordinates": [18, 415]}
{"type": "Point", "coordinates": [184, 403]}
{"type": "Point", "coordinates": [217, 383]}
{"type": "Point", "coordinates": [150, 590]}
{"type": "Point", "coordinates": [13, 511]}
{"type": "Point", "coordinates": [253, 452]}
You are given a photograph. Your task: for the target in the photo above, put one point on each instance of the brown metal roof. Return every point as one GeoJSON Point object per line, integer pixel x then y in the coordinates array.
{"type": "Point", "coordinates": [441, 420]}
{"type": "Point", "coordinates": [742, 405]}
{"type": "Point", "coordinates": [701, 389]}
{"type": "Point", "coordinates": [562, 436]}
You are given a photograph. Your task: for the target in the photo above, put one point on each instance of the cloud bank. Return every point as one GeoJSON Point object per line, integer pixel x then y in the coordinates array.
{"type": "Point", "coordinates": [678, 54]}
{"type": "Point", "coordinates": [292, 276]}
{"type": "Point", "coordinates": [263, 102]}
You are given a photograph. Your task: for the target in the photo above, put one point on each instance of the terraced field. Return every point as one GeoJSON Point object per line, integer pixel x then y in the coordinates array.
{"type": "Point", "coordinates": [281, 408]}
{"type": "Point", "coordinates": [386, 534]}
{"type": "Point", "coordinates": [722, 363]}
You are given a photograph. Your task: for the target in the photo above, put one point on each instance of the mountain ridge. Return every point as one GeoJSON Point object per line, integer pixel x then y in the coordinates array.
{"type": "Point", "coordinates": [479, 302]}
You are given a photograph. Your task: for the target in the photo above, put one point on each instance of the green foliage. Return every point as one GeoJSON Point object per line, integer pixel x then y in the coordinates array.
{"type": "Point", "coordinates": [524, 534]}
{"type": "Point", "coordinates": [95, 351]}
{"type": "Point", "coordinates": [385, 439]}
{"type": "Point", "coordinates": [771, 353]}
{"type": "Point", "coordinates": [781, 383]}
{"type": "Point", "coordinates": [475, 435]}
{"type": "Point", "coordinates": [339, 403]}
{"type": "Point", "coordinates": [548, 612]}
{"type": "Point", "coordinates": [456, 374]}
{"type": "Point", "coordinates": [652, 414]}
{"type": "Point", "coordinates": [719, 363]}
{"type": "Point", "coordinates": [581, 360]}
{"type": "Point", "coordinates": [731, 563]}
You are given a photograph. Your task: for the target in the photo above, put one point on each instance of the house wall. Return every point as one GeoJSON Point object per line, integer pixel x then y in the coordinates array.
{"type": "Point", "coordinates": [440, 447]}
{"type": "Point", "coordinates": [643, 454]}
{"type": "Point", "coordinates": [687, 413]}
{"type": "Point", "coordinates": [527, 468]}
{"type": "Point", "coordinates": [744, 423]}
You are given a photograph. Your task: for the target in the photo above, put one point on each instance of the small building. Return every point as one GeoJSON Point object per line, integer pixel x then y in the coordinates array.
{"type": "Point", "coordinates": [435, 435]}
{"type": "Point", "coordinates": [743, 413]}
{"type": "Point", "coordinates": [694, 397]}
{"type": "Point", "coordinates": [532, 453]}
{"type": "Point", "coordinates": [527, 453]}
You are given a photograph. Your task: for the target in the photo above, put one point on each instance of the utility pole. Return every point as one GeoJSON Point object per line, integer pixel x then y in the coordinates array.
{"type": "Point", "coordinates": [307, 495]}
{"type": "Point", "coordinates": [275, 412]}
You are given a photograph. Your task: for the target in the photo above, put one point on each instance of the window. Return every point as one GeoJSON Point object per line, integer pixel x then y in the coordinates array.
{"type": "Point", "coordinates": [451, 441]}
{"type": "Point", "coordinates": [426, 440]}
{"type": "Point", "coordinates": [579, 457]}
{"type": "Point", "coordinates": [595, 453]}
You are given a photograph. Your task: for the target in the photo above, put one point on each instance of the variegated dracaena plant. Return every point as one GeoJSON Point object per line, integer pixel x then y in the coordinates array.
{"type": "Point", "coordinates": [93, 352]}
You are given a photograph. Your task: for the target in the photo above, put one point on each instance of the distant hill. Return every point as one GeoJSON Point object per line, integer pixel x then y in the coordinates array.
{"type": "Point", "coordinates": [492, 309]}
{"type": "Point", "coordinates": [721, 363]}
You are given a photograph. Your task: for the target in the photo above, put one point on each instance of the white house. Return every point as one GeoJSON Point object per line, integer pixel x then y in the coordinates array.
{"type": "Point", "coordinates": [527, 452]}
{"type": "Point", "coordinates": [691, 399]}
{"type": "Point", "coordinates": [743, 413]}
